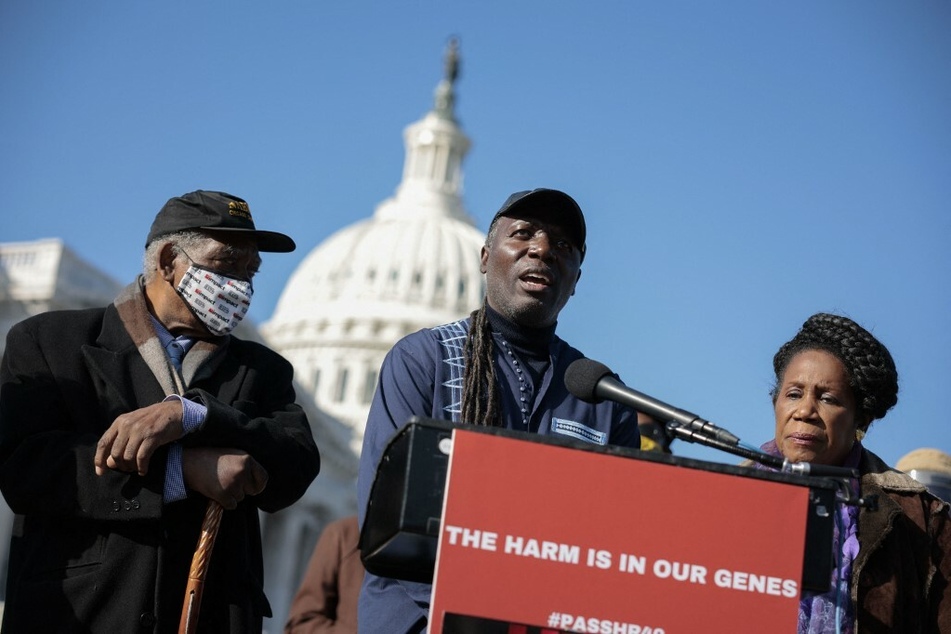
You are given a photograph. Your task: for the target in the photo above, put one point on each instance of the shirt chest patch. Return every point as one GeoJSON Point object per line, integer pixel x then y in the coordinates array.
{"type": "Point", "coordinates": [577, 430]}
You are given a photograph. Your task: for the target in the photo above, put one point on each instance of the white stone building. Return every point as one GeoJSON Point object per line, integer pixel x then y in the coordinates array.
{"type": "Point", "coordinates": [414, 264]}
{"type": "Point", "coordinates": [43, 275]}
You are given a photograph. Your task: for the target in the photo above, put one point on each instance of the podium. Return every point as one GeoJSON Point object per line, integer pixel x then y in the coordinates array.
{"type": "Point", "coordinates": [517, 528]}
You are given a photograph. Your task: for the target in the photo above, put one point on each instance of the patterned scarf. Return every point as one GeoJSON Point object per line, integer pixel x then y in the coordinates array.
{"type": "Point", "coordinates": [817, 612]}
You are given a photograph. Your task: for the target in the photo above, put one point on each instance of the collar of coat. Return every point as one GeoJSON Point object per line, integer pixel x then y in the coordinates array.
{"type": "Point", "coordinates": [875, 471]}
{"type": "Point", "coordinates": [898, 493]}
{"type": "Point", "coordinates": [201, 360]}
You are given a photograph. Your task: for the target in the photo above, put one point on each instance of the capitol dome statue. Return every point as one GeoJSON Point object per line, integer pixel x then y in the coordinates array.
{"type": "Point", "coordinates": [414, 264]}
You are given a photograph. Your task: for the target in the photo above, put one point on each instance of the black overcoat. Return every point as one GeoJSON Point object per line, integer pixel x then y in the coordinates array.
{"type": "Point", "coordinates": [104, 553]}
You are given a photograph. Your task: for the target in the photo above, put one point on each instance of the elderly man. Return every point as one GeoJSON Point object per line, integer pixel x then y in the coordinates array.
{"type": "Point", "coordinates": [503, 366]}
{"type": "Point", "coordinates": [119, 424]}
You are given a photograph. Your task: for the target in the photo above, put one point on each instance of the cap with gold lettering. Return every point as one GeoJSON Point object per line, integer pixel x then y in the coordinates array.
{"type": "Point", "coordinates": [214, 211]}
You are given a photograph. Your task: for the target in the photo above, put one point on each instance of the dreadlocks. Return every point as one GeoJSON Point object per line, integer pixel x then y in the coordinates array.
{"type": "Point", "coordinates": [480, 394]}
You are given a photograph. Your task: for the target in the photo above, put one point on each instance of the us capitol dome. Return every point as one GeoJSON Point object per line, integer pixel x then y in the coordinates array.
{"type": "Point", "coordinates": [414, 264]}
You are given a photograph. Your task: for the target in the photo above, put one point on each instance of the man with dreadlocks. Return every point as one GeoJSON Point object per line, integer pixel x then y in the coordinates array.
{"type": "Point", "coordinates": [503, 366]}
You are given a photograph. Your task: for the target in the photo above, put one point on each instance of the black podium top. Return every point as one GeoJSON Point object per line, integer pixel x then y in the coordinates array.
{"type": "Point", "coordinates": [401, 528]}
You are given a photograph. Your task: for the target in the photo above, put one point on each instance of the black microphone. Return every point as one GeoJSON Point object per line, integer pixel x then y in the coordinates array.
{"type": "Point", "coordinates": [593, 382]}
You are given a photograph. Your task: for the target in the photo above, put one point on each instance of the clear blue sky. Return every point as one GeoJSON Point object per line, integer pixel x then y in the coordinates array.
{"type": "Point", "coordinates": [742, 165]}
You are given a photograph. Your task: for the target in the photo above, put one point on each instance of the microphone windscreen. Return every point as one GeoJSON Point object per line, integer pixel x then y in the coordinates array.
{"type": "Point", "coordinates": [582, 376]}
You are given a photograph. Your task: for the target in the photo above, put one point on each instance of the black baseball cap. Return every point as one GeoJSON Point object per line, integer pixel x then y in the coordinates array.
{"type": "Point", "coordinates": [551, 204]}
{"type": "Point", "coordinates": [214, 211]}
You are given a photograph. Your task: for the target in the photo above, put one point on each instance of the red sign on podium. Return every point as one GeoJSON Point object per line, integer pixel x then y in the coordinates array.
{"type": "Point", "coordinates": [549, 536]}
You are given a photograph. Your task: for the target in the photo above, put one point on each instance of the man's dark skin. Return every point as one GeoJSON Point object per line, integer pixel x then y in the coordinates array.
{"type": "Point", "coordinates": [222, 474]}
{"type": "Point", "coordinates": [531, 268]}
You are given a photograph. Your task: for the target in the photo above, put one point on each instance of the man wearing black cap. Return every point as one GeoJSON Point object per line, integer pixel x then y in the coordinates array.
{"type": "Point", "coordinates": [503, 366]}
{"type": "Point", "coordinates": [119, 424]}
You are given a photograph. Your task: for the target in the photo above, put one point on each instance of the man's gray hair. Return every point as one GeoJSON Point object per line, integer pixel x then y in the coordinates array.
{"type": "Point", "coordinates": [181, 241]}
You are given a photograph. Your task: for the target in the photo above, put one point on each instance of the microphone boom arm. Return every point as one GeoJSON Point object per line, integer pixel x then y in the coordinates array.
{"type": "Point", "coordinates": [800, 468]}
{"type": "Point", "coordinates": [684, 433]}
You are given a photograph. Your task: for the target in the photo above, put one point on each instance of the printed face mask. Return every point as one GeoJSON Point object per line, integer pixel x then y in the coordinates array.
{"type": "Point", "coordinates": [221, 302]}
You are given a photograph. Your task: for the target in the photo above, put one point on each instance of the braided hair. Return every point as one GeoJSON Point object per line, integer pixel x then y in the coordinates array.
{"type": "Point", "coordinates": [480, 394]}
{"type": "Point", "coordinates": [872, 374]}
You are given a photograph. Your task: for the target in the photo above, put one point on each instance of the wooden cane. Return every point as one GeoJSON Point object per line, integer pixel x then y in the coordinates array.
{"type": "Point", "coordinates": [196, 576]}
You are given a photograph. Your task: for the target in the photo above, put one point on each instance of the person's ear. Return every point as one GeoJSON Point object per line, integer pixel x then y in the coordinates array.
{"type": "Point", "coordinates": [483, 259]}
{"type": "Point", "coordinates": [575, 285]}
{"type": "Point", "coordinates": [862, 424]}
{"type": "Point", "coordinates": [166, 262]}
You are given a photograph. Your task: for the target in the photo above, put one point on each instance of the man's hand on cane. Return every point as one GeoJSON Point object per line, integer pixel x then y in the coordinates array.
{"type": "Point", "coordinates": [223, 475]}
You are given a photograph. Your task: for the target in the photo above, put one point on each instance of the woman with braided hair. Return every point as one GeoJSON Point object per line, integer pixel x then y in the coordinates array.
{"type": "Point", "coordinates": [503, 366]}
{"type": "Point", "coordinates": [893, 563]}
